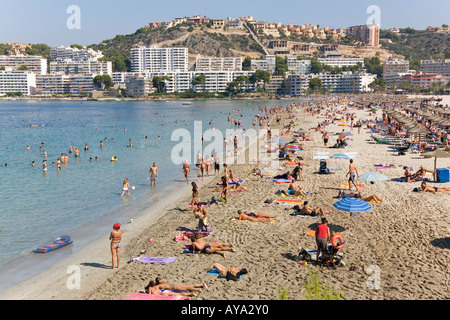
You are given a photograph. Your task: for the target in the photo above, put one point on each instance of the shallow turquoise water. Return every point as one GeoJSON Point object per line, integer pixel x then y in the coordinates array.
{"type": "Point", "coordinates": [38, 207]}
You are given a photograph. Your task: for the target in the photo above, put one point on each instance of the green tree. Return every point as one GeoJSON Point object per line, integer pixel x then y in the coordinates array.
{"type": "Point", "coordinates": [281, 66]}
{"type": "Point", "coordinates": [198, 80]}
{"type": "Point", "coordinates": [160, 83]}
{"type": "Point", "coordinates": [103, 80]}
{"type": "Point", "coordinates": [247, 64]}
{"type": "Point", "coordinates": [378, 84]}
{"type": "Point", "coordinates": [74, 45]}
{"type": "Point", "coordinates": [315, 84]}
{"type": "Point", "coordinates": [316, 66]}
{"type": "Point", "coordinates": [23, 68]}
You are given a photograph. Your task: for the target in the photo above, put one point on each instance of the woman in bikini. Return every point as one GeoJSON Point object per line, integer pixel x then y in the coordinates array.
{"type": "Point", "coordinates": [426, 188]}
{"type": "Point", "coordinates": [178, 286]}
{"type": "Point", "coordinates": [225, 189]}
{"type": "Point", "coordinates": [207, 165]}
{"type": "Point", "coordinates": [255, 216]}
{"type": "Point", "coordinates": [153, 289]}
{"type": "Point", "coordinates": [115, 237]}
{"type": "Point", "coordinates": [194, 196]}
{"type": "Point", "coordinates": [186, 170]}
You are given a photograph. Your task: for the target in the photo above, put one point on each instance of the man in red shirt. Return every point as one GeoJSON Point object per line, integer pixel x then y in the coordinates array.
{"type": "Point", "coordinates": [323, 237]}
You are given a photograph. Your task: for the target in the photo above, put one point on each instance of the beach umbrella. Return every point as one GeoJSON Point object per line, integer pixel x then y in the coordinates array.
{"type": "Point", "coordinates": [438, 153]}
{"type": "Point", "coordinates": [352, 205]}
{"type": "Point", "coordinates": [372, 176]}
{"type": "Point", "coordinates": [340, 156]}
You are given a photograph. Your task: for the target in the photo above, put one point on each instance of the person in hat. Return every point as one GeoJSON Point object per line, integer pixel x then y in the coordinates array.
{"type": "Point", "coordinates": [115, 237]}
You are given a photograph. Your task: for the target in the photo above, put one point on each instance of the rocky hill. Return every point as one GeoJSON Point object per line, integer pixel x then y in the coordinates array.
{"type": "Point", "coordinates": [208, 41]}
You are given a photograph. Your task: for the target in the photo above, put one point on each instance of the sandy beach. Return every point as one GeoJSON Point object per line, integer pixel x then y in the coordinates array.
{"type": "Point", "coordinates": [405, 238]}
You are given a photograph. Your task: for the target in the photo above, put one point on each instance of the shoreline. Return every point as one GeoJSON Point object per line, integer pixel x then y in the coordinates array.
{"type": "Point", "coordinates": [50, 284]}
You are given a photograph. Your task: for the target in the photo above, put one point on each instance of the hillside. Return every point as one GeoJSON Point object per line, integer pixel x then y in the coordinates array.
{"type": "Point", "coordinates": [417, 45]}
{"type": "Point", "coordinates": [210, 42]}
{"type": "Point", "coordinates": [199, 40]}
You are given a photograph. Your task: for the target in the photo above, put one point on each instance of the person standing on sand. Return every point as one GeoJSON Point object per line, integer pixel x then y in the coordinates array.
{"type": "Point", "coordinates": [153, 174]}
{"type": "Point", "coordinates": [323, 236]}
{"type": "Point", "coordinates": [115, 237]}
{"type": "Point", "coordinates": [352, 171]}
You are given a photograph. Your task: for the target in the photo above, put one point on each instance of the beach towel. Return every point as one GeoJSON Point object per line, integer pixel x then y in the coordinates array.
{"type": "Point", "coordinates": [384, 166]}
{"type": "Point", "coordinates": [156, 259]}
{"type": "Point", "coordinates": [346, 185]}
{"type": "Point", "coordinates": [282, 180]}
{"type": "Point", "coordinates": [234, 182]}
{"type": "Point", "coordinates": [145, 296]}
{"type": "Point", "coordinates": [288, 201]}
{"type": "Point", "coordinates": [214, 272]}
{"type": "Point", "coordinates": [298, 214]}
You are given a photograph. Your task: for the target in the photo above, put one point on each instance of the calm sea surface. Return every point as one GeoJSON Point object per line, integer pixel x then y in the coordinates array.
{"type": "Point", "coordinates": [38, 206]}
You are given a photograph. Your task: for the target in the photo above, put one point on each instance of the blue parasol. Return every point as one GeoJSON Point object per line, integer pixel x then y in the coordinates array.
{"type": "Point", "coordinates": [352, 205]}
{"type": "Point", "coordinates": [372, 176]}
{"type": "Point", "coordinates": [340, 156]}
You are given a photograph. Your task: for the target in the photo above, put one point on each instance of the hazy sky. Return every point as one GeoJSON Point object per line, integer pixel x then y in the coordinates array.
{"type": "Point", "coordinates": [44, 21]}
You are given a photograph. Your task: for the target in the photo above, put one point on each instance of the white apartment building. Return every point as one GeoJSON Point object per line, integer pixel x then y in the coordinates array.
{"type": "Point", "coordinates": [346, 82]}
{"type": "Point", "coordinates": [340, 62]}
{"type": "Point", "coordinates": [267, 64]}
{"type": "Point", "coordinates": [80, 84]}
{"type": "Point", "coordinates": [153, 59]}
{"type": "Point", "coordinates": [296, 66]}
{"type": "Point", "coordinates": [355, 83]}
{"type": "Point", "coordinates": [17, 81]}
{"type": "Point", "coordinates": [35, 64]}
{"type": "Point", "coordinates": [84, 67]}
{"type": "Point", "coordinates": [52, 84]}
{"type": "Point", "coordinates": [436, 66]}
{"type": "Point", "coordinates": [218, 63]}
{"type": "Point", "coordinates": [75, 54]}
{"type": "Point", "coordinates": [181, 81]}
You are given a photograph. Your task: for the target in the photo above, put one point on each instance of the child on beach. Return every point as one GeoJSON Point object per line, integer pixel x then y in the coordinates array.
{"type": "Point", "coordinates": [125, 187]}
{"type": "Point", "coordinates": [202, 216]}
{"type": "Point", "coordinates": [115, 237]}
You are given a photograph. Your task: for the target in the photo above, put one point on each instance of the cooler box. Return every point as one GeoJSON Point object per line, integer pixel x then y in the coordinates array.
{"type": "Point", "coordinates": [442, 175]}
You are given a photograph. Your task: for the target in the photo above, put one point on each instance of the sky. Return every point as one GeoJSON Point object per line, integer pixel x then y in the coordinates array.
{"type": "Point", "coordinates": [46, 21]}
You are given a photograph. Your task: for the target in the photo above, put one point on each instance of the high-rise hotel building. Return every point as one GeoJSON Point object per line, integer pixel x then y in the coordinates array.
{"type": "Point", "coordinates": [153, 59]}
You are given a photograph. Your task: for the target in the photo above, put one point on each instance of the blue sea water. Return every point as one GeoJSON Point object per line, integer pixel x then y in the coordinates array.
{"type": "Point", "coordinates": [38, 206]}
